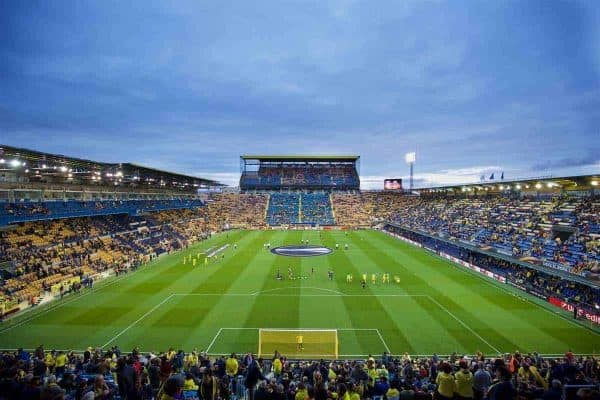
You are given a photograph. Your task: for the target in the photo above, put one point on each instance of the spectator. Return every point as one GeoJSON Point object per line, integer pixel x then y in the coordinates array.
{"type": "Point", "coordinates": [445, 383]}
{"type": "Point", "coordinates": [464, 382]}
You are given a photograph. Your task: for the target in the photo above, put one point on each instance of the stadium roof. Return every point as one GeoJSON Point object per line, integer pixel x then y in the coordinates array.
{"type": "Point", "coordinates": [541, 184]}
{"type": "Point", "coordinates": [299, 157]}
{"type": "Point", "coordinates": [37, 166]}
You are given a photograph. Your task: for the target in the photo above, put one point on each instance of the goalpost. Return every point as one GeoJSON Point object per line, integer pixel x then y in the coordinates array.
{"type": "Point", "coordinates": [299, 343]}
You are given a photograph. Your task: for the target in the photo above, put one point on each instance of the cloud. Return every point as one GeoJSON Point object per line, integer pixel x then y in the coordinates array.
{"type": "Point", "coordinates": [486, 85]}
{"type": "Point", "coordinates": [568, 162]}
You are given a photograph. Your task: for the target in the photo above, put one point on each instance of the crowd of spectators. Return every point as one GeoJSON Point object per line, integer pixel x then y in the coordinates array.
{"type": "Point", "coordinates": [237, 210]}
{"type": "Point", "coordinates": [315, 208]}
{"type": "Point", "coordinates": [284, 208]}
{"type": "Point", "coordinates": [302, 177]}
{"type": "Point", "coordinates": [31, 211]}
{"type": "Point", "coordinates": [300, 208]}
{"type": "Point", "coordinates": [111, 374]}
{"type": "Point", "coordinates": [365, 208]}
{"type": "Point", "coordinates": [562, 233]}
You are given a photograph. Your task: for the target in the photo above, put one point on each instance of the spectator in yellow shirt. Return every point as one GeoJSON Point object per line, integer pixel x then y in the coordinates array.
{"type": "Point", "coordinates": [191, 359]}
{"type": "Point", "coordinates": [529, 373]}
{"type": "Point", "coordinates": [393, 393]}
{"type": "Point", "coordinates": [302, 393]}
{"type": "Point", "coordinates": [61, 363]}
{"type": "Point", "coordinates": [445, 382]}
{"type": "Point", "coordinates": [50, 361]}
{"type": "Point", "coordinates": [231, 365]}
{"type": "Point", "coordinates": [354, 391]}
{"type": "Point", "coordinates": [342, 392]}
{"type": "Point", "coordinates": [277, 367]}
{"type": "Point", "coordinates": [464, 382]}
{"type": "Point", "coordinates": [189, 383]}
{"type": "Point", "coordinates": [171, 354]}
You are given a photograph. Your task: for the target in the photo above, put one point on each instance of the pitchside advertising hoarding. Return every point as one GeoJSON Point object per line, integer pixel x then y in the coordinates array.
{"type": "Point", "coordinates": [392, 184]}
{"type": "Point", "coordinates": [587, 314]}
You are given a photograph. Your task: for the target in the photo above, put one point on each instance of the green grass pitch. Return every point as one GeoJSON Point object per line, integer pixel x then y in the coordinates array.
{"type": "Point", "coordinates": [438, 307]}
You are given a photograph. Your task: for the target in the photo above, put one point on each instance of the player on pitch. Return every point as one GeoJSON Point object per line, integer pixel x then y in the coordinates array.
{"type": "Point", "coordinates": [300, 342]}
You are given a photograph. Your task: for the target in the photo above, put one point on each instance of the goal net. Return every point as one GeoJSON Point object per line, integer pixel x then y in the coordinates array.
{"type": "Point", "coordinates": [298, 343]}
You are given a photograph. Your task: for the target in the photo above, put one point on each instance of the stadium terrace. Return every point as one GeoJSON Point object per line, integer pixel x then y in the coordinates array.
{"type": "Point", "coordinates": [128, 282]}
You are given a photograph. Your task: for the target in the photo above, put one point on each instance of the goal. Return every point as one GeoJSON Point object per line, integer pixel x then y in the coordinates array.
{"type": "Point", "coordinates": [299, 343]}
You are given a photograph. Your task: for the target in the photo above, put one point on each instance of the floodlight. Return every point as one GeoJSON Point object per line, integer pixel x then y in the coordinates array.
{"type": "Point", "coordinates": [15, 163]}
{"type": "Point", "coordinates": [410, 157]}
{"type": "Point", "coordinates": [594, 183]}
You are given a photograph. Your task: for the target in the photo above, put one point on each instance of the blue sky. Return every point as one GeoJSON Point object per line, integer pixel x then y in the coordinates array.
{"type": "Point", "coordinates": [472, 87]}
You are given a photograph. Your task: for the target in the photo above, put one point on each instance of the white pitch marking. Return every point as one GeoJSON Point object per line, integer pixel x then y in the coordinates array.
{"type": "Point", "coordinates": [136, 321]}
{"type": "Point", "coordinates": [214, 339]}
{"type": "Point", "coordinates": [465, 325]}
{"type": "Point", "coordinates": [383, 341]}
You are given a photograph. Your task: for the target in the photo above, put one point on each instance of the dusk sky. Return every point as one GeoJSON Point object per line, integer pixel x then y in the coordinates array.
{"type": "Point", "coordinates": [473, 87]}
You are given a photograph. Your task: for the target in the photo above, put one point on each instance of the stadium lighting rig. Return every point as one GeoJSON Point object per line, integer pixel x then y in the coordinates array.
{"type": "Point", "coordinates": [410, 159]}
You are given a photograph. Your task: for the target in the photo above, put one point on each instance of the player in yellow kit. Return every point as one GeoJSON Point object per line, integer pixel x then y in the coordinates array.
{"type": "Point", "coordinates": [300, 342]}
{"type": "Point", "coordinates": [373, 279]}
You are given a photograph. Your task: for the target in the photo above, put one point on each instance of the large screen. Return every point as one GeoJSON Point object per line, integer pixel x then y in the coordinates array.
{"type": "Point", "coordinates": [392, 184]}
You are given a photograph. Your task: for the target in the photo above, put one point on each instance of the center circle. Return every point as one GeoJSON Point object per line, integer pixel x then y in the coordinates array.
{"type": "Point", "coordinates": [301, 251]}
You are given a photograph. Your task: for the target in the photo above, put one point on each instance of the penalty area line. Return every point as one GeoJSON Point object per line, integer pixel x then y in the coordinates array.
{"type": "Point", "coordinates": [214, 340]}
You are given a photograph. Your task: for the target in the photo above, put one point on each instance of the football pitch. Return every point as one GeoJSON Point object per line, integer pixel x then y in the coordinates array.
{"type": "Point", "coordinates": [438, 307]}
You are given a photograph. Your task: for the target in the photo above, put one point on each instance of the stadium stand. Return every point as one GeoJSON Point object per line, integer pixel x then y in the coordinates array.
{"type": "Point", "coordinates": [274, 173]}
{"type": "Point", "coordinates": [365, 209]}
{"type": "Point", "coordinates": [315, 209]}
{"type": "Point", "coordinates": [33, 211]}
{"type": "Point", "coordinates": [560, 232]}
{"type": "Point", "coordinates": [284, 209]}
{"type": "Point", "coordinates": [237, 210]}
{"type": "Point", "coordinates": [300, 208]}
{"type": "Point", "coordinates": [113, 374]}
{"type": "Point", "coordinates": [46, 253]}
